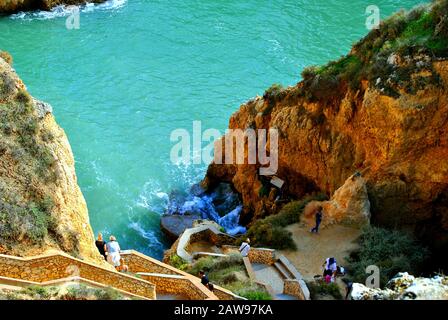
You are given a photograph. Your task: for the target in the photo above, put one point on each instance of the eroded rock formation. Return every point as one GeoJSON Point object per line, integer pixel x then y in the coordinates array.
{"type": "Point", "coordinates": [381, 110]}
{"type": "Point", "coordinates": [41, 205]}
{"type": "Point", "coordinates": [405, 287]}
{"type": "Point", "coordinates": [349, 205]}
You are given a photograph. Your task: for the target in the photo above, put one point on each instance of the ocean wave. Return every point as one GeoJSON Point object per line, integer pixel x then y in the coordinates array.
{"type": "Point", "coordinates": [153, 240]}
{"type": "Point", "coordinates": [67, 10]}
{"type": "Point", "coordinates": [152, 197]}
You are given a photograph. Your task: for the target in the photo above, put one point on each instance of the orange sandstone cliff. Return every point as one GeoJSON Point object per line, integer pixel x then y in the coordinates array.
{"type": "Point", "coordinates": [382, 110]}
{"type": "Point", "coordinates": [41, 206]}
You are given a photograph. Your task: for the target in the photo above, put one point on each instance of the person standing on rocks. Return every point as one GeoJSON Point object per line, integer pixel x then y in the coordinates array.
{"type": "Point", "coordinates": [318, 217]}
{"type": "Point", "coordinates": [244, 248]}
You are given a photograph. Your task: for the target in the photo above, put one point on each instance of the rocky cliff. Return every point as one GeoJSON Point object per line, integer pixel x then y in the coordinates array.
{"type": "Point", "coordinates": [13, 6]}
{"type": "Point", "coordinates": [41, 205]}
{"type": "Point", "coordinates": [381, 110]}
{"type": "Point", "coordinates": [405, 287]}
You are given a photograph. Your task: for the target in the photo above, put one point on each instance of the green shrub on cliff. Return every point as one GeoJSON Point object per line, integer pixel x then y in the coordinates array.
{"type": "Point", "coordinates": [216, 265]}
{"type": "Point", "coordinates": [6, 56]}
{"type": "Point", "coordinates": [83, 292]}
{"type": "Point", "coordinates": [24, 222]}
{"type": "Point", "coordinates": [264, 234]}
{"type": "Point", "coordinates": [178, 262]}
{"type": "Point", "coordinates": [7, 85]}
{"type": "Point", "coordinates": [204, 263]}
{"type": "Point", "coordinates": [318, 289]}
{"type": "Point", "coordinates": [39, 293]}
{"type": "Point", "coordinates": [254, 294]}
{"type": "Point", "coordinates": [420, 32]}
{"type": "Point", "coordinates": [272, 95]}
{"type": "Point", "coordinates": [392, 251]}
{"type": "Point", "coordinates": [229, 272]}
{"type": "Point", "coordinates": [71, 292]}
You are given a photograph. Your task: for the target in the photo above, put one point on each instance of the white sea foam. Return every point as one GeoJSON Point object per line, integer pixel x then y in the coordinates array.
{"type": "Point", "coordinates": [65, 11]}
{"type": "Point", "coordinates": [100, 176]}
{"type": "Point", "coordinates": [152, 197]}
{"type": "Point", "coordinates": [153, 241]}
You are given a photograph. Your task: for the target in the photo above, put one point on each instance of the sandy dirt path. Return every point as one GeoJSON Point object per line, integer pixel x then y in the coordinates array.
{"type": "Point", "coordinates": [312, 249]}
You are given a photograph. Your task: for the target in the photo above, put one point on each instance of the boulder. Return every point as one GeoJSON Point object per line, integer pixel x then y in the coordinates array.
{"type": "Point", "coordinates": [174, 225]}
{"type": "Point", "coordinates": [349, 205]}
{"type": "Point", "coordinates": [405, 287]}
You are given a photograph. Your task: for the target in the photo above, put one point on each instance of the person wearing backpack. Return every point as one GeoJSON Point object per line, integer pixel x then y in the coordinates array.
{"type": "Point", "coordinates": [245, 247]}
{"type": "Point", "coordinates": [330, 267]}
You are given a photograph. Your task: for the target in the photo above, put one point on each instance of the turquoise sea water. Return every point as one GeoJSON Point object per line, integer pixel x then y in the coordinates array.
{"type": "Point", "coordinates": [136, 70]}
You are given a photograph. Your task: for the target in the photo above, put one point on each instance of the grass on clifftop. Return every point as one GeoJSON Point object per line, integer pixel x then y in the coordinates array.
{"type": "Point", "coordinates": [71, 292]}
{"type": "Point", "coordinates": [230, 273]}
{"type": "Point", "coordinates": [392, 251]}
{"type": "Point", "coordinates": [411, 36]}
{"type": "Point", "coordinates": [6, 56]}
{"type": "Point", "coordinates": [270, 233]}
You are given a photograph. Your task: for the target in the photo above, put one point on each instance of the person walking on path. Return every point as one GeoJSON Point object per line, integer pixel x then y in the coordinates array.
{"type": "Point", "coordinates": [113, 252]}
{"type": "Point", "coordinates": [245, 247]}
{"type": "Point", "coordinates": [348, 288]}
{"type": "Point", "coordinates": [100, 244]}
{"type": "Point", "coordinates": [318, 220]}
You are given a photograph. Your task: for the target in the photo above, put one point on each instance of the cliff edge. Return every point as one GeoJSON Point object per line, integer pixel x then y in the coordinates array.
{"type": "Point", "coordinates": [41, 205]}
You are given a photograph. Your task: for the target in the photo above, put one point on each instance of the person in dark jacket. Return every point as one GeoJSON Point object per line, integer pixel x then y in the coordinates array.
{"type": "Point", "coordinates": [318, 220]}
{"type": "Point", "coordinates": [100, 245]}
{"type": "Point", "coordinates": [204, 278]}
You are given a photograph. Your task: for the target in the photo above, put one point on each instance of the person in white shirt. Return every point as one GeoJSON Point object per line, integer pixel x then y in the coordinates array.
{"type": "Point", "coordinates": [330, 267]}
{"type": "Point", "coordinates": [245, 247]}
{"type": "Point", "coordinates": [113, 252]}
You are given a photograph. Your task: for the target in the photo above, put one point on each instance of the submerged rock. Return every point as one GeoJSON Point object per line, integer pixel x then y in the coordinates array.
{"type": "Point", "coordinates": [405, 287]}
{"type": "Point", "coordinates": [173, 225]}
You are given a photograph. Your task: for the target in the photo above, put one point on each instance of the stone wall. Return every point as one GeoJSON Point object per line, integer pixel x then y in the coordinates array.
{"type": "Point", "coordinates": [138, 262]}
{"type": "Point", "coordinates": [57, 266]}
{"type": "Point", "coordinates": [171, 280]}
{"type": "Point", "coordinates": [224, 294]}
{"type": "Point", "coordinates": [293, 288]}
{"type": "Point", "coordinates": [179, 285]}
{"type": "Point", "coordinates": [202, 232]}
{"type": "Point", "coordinates": [52, 268]}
